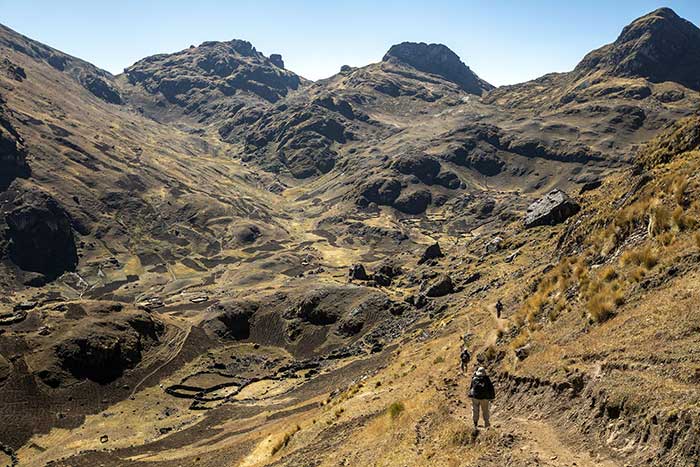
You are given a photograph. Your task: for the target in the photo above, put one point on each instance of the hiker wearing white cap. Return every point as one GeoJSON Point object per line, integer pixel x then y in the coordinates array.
{"type": "Point", "coordinates": [481, 393]}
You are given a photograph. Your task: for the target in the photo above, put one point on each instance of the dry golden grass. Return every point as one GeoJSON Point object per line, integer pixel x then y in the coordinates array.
{"type": "Point", "coordinates": [284, 442]}
{"type": "Point", "coordinates": [645, 256]}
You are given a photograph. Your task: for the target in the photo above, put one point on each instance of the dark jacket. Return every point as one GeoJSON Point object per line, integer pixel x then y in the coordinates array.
{"type": "Point", "coordinates": [482, 388]}
{"type": "Point", "coordinates": [465, 356]}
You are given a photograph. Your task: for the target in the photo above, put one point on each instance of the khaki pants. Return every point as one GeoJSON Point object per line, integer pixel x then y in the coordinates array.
{"type": "Point", "coordinates": [482, 404]}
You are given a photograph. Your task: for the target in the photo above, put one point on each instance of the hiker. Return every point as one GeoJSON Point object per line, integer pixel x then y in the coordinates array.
{"type": "Point", "coordinates": [464, 358]}
{"type": "Point", "coordinates": [499, 308]}
{"type": "Point", "coordinates": [481, 393]}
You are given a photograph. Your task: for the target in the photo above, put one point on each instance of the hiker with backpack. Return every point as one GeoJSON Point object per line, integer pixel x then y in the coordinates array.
{"type": "Point", "coordinates": [481, 393]}
{"type": "Point", "coordinates": [464, 358]}
{"type": "Point", "coordinates": [464, 355]}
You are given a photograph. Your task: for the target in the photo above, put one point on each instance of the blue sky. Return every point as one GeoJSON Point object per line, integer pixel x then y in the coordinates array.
{"type": "Point", "coordinates": [504, 41]}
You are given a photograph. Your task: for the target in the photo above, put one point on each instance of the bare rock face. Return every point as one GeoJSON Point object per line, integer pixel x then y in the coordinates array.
{"type": "Point", "coordinates": [13, 162]}
{"type": "Point", "coordinates": [439, 60]}
{"type": "Point", "coordinates": [102, 89]}
{"type": "Point", "coordinates": [660, 46]}
{"type": "Point", "coordinates": [39, 235]}
{"type": "Point", "coordinates": [276, 59]}
{"type": "Point", "coordinates": [301, 136]}
{"type": "Point", "coordinates": [554, 208]}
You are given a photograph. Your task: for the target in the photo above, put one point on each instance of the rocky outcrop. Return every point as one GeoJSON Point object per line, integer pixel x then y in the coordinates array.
{"type": "Point", "coordinates": [211, 82]}
{"type": "Point", "coordinates": [101, 351]}
{"type": "Point", "coordinates": [12, 70]}
{"type": "Point", "coordinates": [276, 59]}
{"type": "Point", "coordinates": [554, 208]}
{"type": "Point", "coordinates": [13, 163]}
{"type": "Point", "coordinates": [233, 319]}
{"type": "Point", "coordinates": [380, 190]}
{"type": "Point", "coordinates": [413, 201]}
{"type": "Point", "coordinates": [425, 168]}
{"type": "Point", "coordinates": [386, 272]}
{"type": "Point", "coordinates": [431, 252]}
{"type": "Point", "coordinates": [358, 272]}
{"type": "Point", "coordinates": [660, 46]}
{"type": "Point", "coordinates": [40, 236]}
{"type": "Point", "coordinates": [437, 287]}
{"type": "Point", "coordinates": [301, 137]}
{"type": "Point", "coordinates": [102, 89]}
{"type": "Point", "coordinates": [439, 60]}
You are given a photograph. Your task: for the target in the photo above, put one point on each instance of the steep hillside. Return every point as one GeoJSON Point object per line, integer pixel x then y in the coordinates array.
{"type": "Point", "coordinates": [209, 260]}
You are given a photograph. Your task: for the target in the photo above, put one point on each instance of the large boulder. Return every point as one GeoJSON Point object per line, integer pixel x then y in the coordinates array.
{"type": "Point", "coordinates": [431, 252]}
{"type": "Point", "coordinates": [438, 287]}
{"type": "Point", "coordinates": [555, 207]}
{"type": "Point", "coordinates": [358, 272]}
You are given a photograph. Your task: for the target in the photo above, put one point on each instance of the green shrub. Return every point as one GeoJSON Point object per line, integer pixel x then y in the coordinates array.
{"type": "Point", "coordinates": [395, 409]}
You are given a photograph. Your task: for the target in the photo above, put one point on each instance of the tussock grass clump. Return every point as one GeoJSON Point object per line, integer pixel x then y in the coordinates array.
{"type": "Point", "coordinates": [395, 409]}
{"type": "Point", "coordinates": [681, 221]}
{"type": "Point", "coordinates": [462, 437]}
{"type": "Point", "coordinates": [608, 274]}
{"type": "Point", "coordinates": [679, 187]}
{"type": "Point", "coordinates": [645, 256]}
{"type": "Point", "coordinates": [601, 307]}
{"type": "Point", "coordinates": [284, 442]}
{"type": "Point", "coordinates": [659, 219]}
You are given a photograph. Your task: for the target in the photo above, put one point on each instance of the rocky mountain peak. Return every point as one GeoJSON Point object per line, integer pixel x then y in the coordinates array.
{"type": "Point", "coordinates": [439, 60]}
{"type": "Point", "coordinates": [237, 46]}
{"type": "Point", "coordinates": [210, 82]}
{"type": "Point", "coordinates": [659, 46]}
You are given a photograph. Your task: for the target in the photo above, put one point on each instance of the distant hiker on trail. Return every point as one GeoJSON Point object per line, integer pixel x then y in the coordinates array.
{"type": "Point", "coordinates": [464, 355]}
{"type": "Point", "coordinates": [481, 393]}
{"type": "Point", "coordinates": [464, 358]}
{"type": "Point", "coordinates": [499, 308]}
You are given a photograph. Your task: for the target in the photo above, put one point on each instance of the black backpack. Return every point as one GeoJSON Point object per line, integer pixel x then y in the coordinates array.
{"type": "Point", "coordinates": [482, 388]}
{"type": "Point", "coordinates": [465, 356]}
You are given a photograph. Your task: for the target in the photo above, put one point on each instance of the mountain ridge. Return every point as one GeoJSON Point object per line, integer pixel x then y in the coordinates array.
{"type": "Point", "coordinates": [234, 265]}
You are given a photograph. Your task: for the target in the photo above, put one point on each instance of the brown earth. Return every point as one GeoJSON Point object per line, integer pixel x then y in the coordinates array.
{"type": "Point", "coordinates": [176, 241]}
